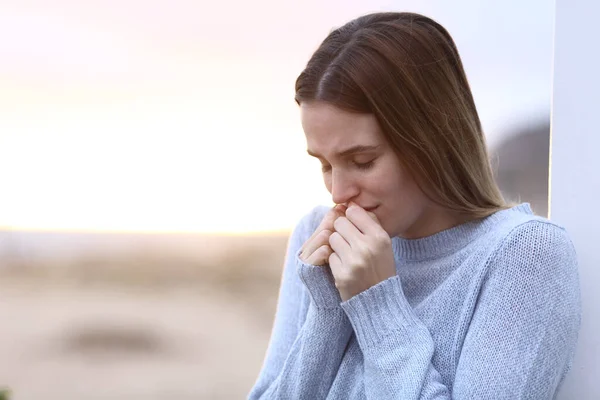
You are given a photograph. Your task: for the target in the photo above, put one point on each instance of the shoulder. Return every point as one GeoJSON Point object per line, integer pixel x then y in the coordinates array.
{"type": "Point", "coordinates": [535, 234]}
{"type": "Point", "coordinates": [536, 262]}
{"type": "Point", "coordinates": [528, 245]}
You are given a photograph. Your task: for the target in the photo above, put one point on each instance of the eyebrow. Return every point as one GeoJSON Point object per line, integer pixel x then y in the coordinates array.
{"type": "Point", "coordinates": [349, 151]}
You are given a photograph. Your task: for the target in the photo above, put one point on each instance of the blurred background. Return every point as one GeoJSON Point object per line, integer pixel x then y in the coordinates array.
{"type": "Point", "coordinates": [150, 159]}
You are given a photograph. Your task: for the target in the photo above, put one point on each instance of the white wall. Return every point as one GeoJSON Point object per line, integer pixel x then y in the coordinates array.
{"type": "Point", "coordinates": [575, 172]}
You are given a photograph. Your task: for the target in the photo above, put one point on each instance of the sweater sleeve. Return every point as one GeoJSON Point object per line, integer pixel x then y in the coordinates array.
{"type": "Point", "coordinates": [520, 341]}
{"type": "Point", "coordinates": [306, 347]}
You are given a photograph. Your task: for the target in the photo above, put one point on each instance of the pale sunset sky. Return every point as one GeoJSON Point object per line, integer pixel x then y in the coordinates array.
{"type": "Point", "coordinates": [130, 115]}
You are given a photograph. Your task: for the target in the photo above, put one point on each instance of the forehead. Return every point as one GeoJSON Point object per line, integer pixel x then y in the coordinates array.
{"type": "Point", "coordinates": [329, 129]}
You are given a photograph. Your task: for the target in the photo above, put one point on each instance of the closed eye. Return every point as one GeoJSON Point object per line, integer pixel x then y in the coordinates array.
{"type": "Point", "coordinates": [364, 166]}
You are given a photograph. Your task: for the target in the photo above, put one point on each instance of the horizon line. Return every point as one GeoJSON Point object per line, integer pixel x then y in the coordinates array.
{"type": "Point", "coordinates": [270, 232]}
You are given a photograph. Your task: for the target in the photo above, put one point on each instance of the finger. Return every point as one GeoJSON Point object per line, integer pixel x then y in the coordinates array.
{"type": "Point", "coordinates": [349, 232]}
{"type": "Point", "coordinates": [366, 223]}
{"type": "Point", "coordinates": [335, 263]}
{"type": "Point", "coordinates": [374, 217]}
{"type": "Point", "coordinates": [321, 238]}
{"type": "Point", "coordinates": [339, 245]}
{"type": "Point", "coordinates": [341, 209]}
{"type": "Point", "coordinates": [320, 256]}
{"type": "Point", "coordinates": [327, 221]}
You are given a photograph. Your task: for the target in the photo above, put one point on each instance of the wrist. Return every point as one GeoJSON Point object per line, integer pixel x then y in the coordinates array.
{"type": "Point", "coordinates": [320, 283]}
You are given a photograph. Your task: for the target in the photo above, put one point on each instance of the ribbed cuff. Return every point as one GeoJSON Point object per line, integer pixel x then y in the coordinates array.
{"type": "Point", "coordinates": [320, 284]}
{"type": "Point", "coordinates": [380, 311]}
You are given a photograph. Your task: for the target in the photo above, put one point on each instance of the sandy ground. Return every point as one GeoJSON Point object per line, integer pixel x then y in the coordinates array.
{"type": "Point", "coordinates": [153, 320]}
{"type": "Point", "coordinates": [67, 342]}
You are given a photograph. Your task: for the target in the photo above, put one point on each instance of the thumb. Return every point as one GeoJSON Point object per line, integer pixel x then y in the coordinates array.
{"type": "Point", "coordinates": [371, 214]}
{"type": "Point", "coordinates": [373, 217]}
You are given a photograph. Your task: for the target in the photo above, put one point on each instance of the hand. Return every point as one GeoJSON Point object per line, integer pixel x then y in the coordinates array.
{"type": "Point", "coordinates": [316, 249]}
{"type": "Point", "coordinates": [362, 252]}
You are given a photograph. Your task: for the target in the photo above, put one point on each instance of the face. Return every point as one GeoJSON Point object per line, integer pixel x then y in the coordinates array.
{"type": "Point", "coordinates": [359, 165]}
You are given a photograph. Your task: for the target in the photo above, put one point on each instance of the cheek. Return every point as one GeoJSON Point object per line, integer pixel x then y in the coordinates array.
{"type": "Point", "coordinates": [327, 181]}
{"type": "Point", "coordinates": [397, 193]}
{"type": "Point", "coordinates": [389, 185]}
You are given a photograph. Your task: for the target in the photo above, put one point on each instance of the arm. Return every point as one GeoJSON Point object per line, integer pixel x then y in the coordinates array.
{"type": "Point", "coordinates": [305, 350]}
{"type": "Point", "coordinates": [520, 341]}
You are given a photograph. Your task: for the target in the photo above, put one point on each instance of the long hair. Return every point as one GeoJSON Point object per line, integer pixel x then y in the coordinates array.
{"type": "Point", "coordinates": [405, 69]}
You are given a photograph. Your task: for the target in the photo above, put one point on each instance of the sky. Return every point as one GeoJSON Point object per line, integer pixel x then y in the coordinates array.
{"type": "Point", "coordinates": [178, 116]}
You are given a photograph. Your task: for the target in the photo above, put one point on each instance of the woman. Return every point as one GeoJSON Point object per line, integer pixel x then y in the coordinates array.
{"type": "Point", "coordinates": [422, 282]}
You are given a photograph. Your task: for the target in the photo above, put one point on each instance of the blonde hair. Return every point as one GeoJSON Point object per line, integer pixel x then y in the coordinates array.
{"type": "Point", "coordinates": [405, 69]}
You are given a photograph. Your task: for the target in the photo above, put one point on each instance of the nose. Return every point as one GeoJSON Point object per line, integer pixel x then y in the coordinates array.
{"type": "Point", "coordinates": [343, 188]}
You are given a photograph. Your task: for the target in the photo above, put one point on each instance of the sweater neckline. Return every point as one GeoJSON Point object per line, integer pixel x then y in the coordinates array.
{"type": "Point", "coordinates": [452, 239]}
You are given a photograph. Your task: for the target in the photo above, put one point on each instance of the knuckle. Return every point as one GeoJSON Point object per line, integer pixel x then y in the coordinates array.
{"type": "Point", "coordinates": [314, 260]}
{"type": "Point", "coordinates": [356, 264]}
{"type": "Point", "coordinates": [336, 224]}
{"type": "Point", "coordinates": [339, 222]}
{"type": "Point", "coordinates": [342, 282]}
{"type": "Point", "coordinates": [382, 238]}
{"type": "Point", "coordinates": [351, 212]}
{"type": "Point", "coordinates": [324, 252]}
{"type": "Point", "coordinates": [329, 217]}
{"type": "Point", "coordinates": [326, 232]}
{"type": "Point", "coordinates": [323, 236]}
{"type": "Point", "coordinates": [331, 258]}
{"type": "Point", "coordinates": [334, 236]}
{"type": "Point", "coordinates": [381, 245]}
{"type": "Point", "coordinates": [362, 250]}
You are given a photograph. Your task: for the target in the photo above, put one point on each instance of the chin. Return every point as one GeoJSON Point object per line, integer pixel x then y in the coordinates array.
{"type": "Point", "coordinates": [389, 230]}
{"type": "Point", "coordinates": [392, 233]}
{"type": "Point", "coordinates": [385, 224]}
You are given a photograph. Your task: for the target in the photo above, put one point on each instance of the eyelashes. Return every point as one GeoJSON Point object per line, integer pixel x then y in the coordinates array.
{"type": "Point", "coordinates": [364, 166]}
{"type": "Point", "coordinates": [360, 166]}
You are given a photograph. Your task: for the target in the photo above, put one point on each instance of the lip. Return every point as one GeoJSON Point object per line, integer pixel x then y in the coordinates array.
{"type": "Point", "coordinates": [370, 209]}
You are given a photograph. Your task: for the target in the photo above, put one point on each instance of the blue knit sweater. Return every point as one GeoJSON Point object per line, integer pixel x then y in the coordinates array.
{"type": "Point", "coordinates": [486, 310]}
